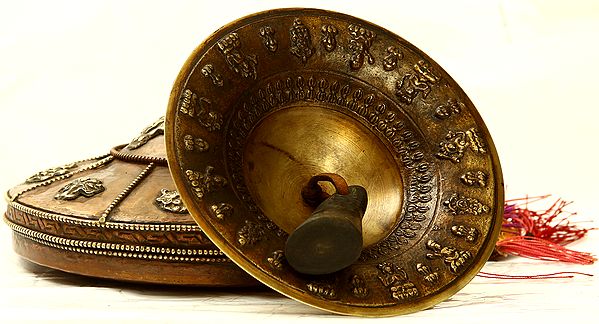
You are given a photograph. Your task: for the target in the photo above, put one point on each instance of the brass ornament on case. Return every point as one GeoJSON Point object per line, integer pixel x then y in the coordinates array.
{"type": "Point", "coordinates": [117, 216]}
{"type": "Point", "coordinates": [321, 92]}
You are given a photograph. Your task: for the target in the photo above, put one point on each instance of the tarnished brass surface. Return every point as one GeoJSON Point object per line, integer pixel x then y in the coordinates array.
{"type": "Point", "coordinates": [290, 146]}
{"type": "Point", "coordinates": [117, 216]}
{"type": "Point", "coordinates": [272, 99]}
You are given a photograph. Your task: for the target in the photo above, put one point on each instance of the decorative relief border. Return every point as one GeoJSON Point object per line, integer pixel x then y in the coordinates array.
{"type": "Point", "coordinates": [381, 113]}
{"type": "Point", "coordinates": [114, 235]}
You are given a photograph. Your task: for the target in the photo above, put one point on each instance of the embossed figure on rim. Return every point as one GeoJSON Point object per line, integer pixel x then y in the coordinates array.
{"type": "Point", "coordinates": [195, 144]}
{"type": "Point", "coordinates": [448, 109]}
{"type": "Point", "coordinates": [276, 259]}
{"type": "Point", "coordinates": [456, 143]}
{"type": "Point", "coordinates": [322, 290]}
{"type": "Point", "coordinates": [430, 277]}
{"type": "Point", "coordinates": [418, 82]}
{"type": "Point", "coordinates": [301, 42]}
{"type": "Point", "coordinates": [222, 210]}
{"type": "Point", "coordinates": [205, 182]}
{"type": "Point", "coordinates": [208, 72]}
{"type": "Point", "coordinates": [267, 34]}
{"type": "Point", "coordinates": [358, 286]}
{"type": "Point", "coordinates": [329, 37]}
{"type": "Point", "coordinates": [250, 233]}
{"type": "Point", "coordinates": [396, 280]}
{"type": "Point", "coordinates": [455, 259]}
{"type": "Point", "coordinates": [359, 45]}
{"type": "Point", "coordinates": [392, 58]}
{"type": "Point", "coordinates": [199, 108]}
{"type": "Point", "coordinates": [462, 205]}
{"type": "Point", "coordinates": [475, 178]}
{"type": "Point", "coordinates": [239, 62]}
{"type": "Point", "coordinates": [469, 234]}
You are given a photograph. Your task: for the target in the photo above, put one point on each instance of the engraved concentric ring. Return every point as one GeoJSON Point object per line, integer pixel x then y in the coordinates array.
{"type": "Point", "coordinates": [277, 70]}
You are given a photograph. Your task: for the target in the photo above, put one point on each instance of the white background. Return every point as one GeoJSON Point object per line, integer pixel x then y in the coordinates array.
{"type": "Point", "coordinates": [78, 77]}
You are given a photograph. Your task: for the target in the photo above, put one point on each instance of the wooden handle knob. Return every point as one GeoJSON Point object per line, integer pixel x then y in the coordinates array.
{"type": "Point", "coordinates": [331, 239]}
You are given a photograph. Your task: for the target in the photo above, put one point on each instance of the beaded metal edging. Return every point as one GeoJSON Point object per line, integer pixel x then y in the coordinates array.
{"type": "Point", "coordinates": [94, 223]}
{"type": "Point", "coordinates": [119, 250]}
{"type": "Point", "coordinates": [134, 158]}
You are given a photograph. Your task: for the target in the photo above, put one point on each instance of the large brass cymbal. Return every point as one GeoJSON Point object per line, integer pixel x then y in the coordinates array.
{"type": "Point", "coordinates": [283, 95]}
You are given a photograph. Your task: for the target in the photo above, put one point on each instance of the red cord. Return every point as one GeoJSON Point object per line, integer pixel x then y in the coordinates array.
{"type": "Point", "coordinates": [541, 234]}
{"type": "Point", "coordinates": [555, 275]}
{"type": "Point", "coordinates": [537, 248]}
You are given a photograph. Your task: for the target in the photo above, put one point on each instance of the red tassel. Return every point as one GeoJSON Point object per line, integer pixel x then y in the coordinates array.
{"type": "Point", "coordinates": [541, 234]}
{"type": "Point", "coordinates": [540, 249]}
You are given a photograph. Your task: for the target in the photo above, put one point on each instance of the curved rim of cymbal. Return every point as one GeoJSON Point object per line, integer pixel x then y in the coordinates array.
{"type": "Point", "coordinates": [241, 260]}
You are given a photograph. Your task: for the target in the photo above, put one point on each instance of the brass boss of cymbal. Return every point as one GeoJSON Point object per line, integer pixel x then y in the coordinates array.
{"type": "Point", "coordinates": [339, 165]}
{"type": "Point", "coordinates": [288, 147]}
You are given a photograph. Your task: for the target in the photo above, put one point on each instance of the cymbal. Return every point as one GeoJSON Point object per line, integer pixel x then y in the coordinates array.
{"type": "Point", "coordinates": [272, 100]}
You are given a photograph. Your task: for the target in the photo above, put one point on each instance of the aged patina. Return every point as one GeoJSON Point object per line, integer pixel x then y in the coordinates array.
{"type": "Point", "coordinates": [278, 97]}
